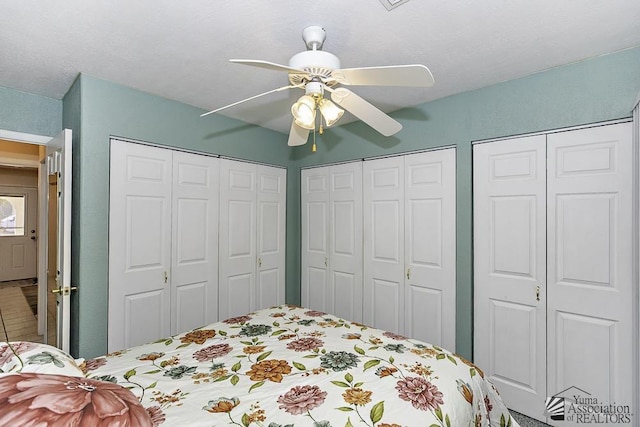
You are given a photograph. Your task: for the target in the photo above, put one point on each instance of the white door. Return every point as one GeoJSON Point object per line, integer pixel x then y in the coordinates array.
{"type": "Point", "coordinates": [383, 222]}
{"type": "Point", "coordinates": [18, 233]}
{"type": "Point", "coordinates": [194, 243]}
{"type": "Point", "coordinates": [237, 238]}
{"type": "Point", "coordinates": [58, 160]}
{"type": "Point", "coordinates": [345, 241]}
{"type": "Point", "coordinates": [139, 244]}
{"type": "Point", "coordinates": [430, 250]}
{"type": "Point", "coordinates": [271, 234]}
{"type": "Point", "coordinates": [510, 269]}
{"type": "Point", "coordinates": [315, 238]}
{"type": "Point", "coordinates": [590, 285]}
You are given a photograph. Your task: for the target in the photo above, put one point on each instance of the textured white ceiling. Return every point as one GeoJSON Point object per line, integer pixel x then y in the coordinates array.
{"type": "Point", "coordinates": [180, 49]}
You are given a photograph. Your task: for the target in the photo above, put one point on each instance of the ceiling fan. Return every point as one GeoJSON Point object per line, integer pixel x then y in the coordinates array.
{"type": "Point", "coordinates": [318, 72]}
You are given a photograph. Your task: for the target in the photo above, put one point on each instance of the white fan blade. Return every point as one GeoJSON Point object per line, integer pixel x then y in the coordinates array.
{"type": "Point", "coordinates": [249, 99]}
{"type": "Point", "coordinates": [268, 65]}
{"type": "Point", "coordinates": [297, 135]}
{"type": "Point", "coordinates": [394, 75]}
{"type": "Point", "coordinates": [365, 111]}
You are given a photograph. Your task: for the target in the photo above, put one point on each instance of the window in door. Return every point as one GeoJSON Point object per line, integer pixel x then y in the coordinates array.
{"type": "Point", "coordinates": [12, 212]}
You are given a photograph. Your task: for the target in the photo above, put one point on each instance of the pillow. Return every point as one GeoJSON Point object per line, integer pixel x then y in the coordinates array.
{"type": "Point", "coordinates": [25, 356]}
{"type": "Point", "coordinates": [60, 400]}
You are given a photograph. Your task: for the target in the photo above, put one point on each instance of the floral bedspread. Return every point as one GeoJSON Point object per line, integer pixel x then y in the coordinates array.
{"type": "Point", "coordinates": [290, 366]}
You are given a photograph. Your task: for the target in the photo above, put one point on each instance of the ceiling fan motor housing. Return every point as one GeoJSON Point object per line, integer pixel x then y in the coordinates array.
{"type": "Point", "coordinates": [316, 62]}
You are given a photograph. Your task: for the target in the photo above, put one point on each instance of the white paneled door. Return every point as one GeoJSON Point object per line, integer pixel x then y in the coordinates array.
{"type": "Point", "coordinates": [315, 238]}
{"type": "Point", "coordinates": [252, 237]}
{"type": "Point", "coordinates": [139, 244]}
{"type": "Point", "coordinates": [429, 247]}
{"type": "Point", "coordinates": [332, 239]}
{"type": "Point", "coordinates": [409, 212]}
{"type": "Point", "coordinates": [383, 210]}
{"type": "Point", "coordinates": [553, 269]}
{"type": "Point", "coordinates": [590, 285]}
{"type": "Point", "coordinates": [510, 269]}
{"type": "Point", "coordinates": [237, 237]}
{"type": "Point", "coordinates": [163, 243]}
{"type": "Point", "coordinates": [194, 243]}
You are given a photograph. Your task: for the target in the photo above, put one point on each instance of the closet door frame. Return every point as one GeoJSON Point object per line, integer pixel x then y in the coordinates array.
{"type": "Point", "coordinates": [635, 177]}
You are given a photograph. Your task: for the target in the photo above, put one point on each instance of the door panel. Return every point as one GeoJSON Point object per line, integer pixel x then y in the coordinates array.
{"type": "Point", "coordinates": [510, 269]}
{"type": "Point", "coordinates": [315, 238]}
{"type": "Point", "coordinates": [345, 246]}
{"type": "Point", "coordinates": [590, 308]}
{"type": "Point", "coordinates": [383, 208]}
{"type": "Point", "coordinates": [194, 270]}
{"type": "Point", "coordinates": [430, 250]}
{"type": "Point", "coordinates": [237, 238]}
{"type": "Point", "coordinates": [271, 233]}
{"type": "Point", "coordinates": [139, 244]}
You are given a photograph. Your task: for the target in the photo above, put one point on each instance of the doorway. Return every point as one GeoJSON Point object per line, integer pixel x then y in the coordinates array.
{"type": "Point", "coordinates": [26, 311]}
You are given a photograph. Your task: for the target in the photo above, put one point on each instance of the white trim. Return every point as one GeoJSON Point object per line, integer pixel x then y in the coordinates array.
{"type": "Point", "coordinates": [28, 138]}
{"type": "Point", "coordinates": [636, 247]}
{"type": "Point", "coordinates": [550, 131]}
{"type": "Point", "coordinates": [636, 102]}
{"type": "Point", "coordinates": [383, 156]}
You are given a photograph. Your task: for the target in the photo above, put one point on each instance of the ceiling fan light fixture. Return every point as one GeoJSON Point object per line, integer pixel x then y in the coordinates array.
{"type": "Point", "coordinates": [330, 111]}
{"type": "Point", "coordinates": [304, 112]}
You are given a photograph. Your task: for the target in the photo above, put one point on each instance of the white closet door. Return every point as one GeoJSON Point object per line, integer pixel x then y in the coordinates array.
{"type": "Point", "coordinates": [590, 296]}
{"type": "Point", "coordinates": [509, 268]}
{"type": "Point", "coordinates": [345, 243]}
{"type": "Point", "coordinates": [430, 250]}
{"type": "Point", "coordinates": [139, 244]}
{"type": "Point", "coordinates": [237, 238]}
{"type": "Point", "coordinates": [315, 238]}
{"type": "Point", "coordinates": [383, 221]}
{"type": "Point", "coordinates": [194, 272]}
{"type": "Point", "coordinates": [271, 228]}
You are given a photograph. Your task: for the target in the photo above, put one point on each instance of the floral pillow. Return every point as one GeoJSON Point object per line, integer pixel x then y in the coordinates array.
{"type": "Point", "coordinates": [59, 401]}
{"type": "Point", "coordinates": [24, 356]}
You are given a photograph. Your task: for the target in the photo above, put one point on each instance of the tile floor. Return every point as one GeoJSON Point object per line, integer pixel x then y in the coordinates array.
{"type": "Point", "coordinates": [18, 323]}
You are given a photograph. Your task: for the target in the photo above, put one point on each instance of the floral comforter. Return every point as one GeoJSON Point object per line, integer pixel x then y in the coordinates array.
{"type": "Point", "coordinates": [289, 366]}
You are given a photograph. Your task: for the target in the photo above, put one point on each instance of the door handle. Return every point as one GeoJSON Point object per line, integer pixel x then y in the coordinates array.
{"type": "Point", "coordinates": [537, 293]}
{"type": "Point", "coordinates": [166, 277]}
{"type": "Point", "coordinates": [33, 237]}
{"type": "Point", "coordinates": [259, 262]}
{"type": "Point", "coordinates": [64, 291]}
{"type": "Point", "coordinates": [408, 273]}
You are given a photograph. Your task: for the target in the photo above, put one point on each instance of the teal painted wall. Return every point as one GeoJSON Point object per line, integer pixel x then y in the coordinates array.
{"type": "Point", "coordinates": [595, 90]}
{"type": "Point", "coordinates": [107, 109]}
{"type": "Point", "coordinates": [29, 113]}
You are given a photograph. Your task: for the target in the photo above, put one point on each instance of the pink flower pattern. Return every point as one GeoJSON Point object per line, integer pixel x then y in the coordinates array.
{"type": "Point", "coordinates": [301, 399]}
{"type": "Point", "coordinates": [30, 399]}
{"type": "Point", "coordinates": [420, 393]}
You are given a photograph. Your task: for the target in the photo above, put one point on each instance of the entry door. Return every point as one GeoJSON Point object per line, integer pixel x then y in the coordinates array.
{"type": "Point", "coordinates": [590, 294]}
{"type": "Point", "coordinates": [510, 269]}
{"type": "Point", "coordinates": [58, 165]}
{"type": "Point", "coordinates": [18, 233]}
{"type": "Point", "coordinates": [139, 244]}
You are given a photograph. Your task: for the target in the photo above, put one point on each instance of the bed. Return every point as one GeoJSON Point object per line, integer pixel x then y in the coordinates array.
{"type": "Point", "coordinates": [279, 367]}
